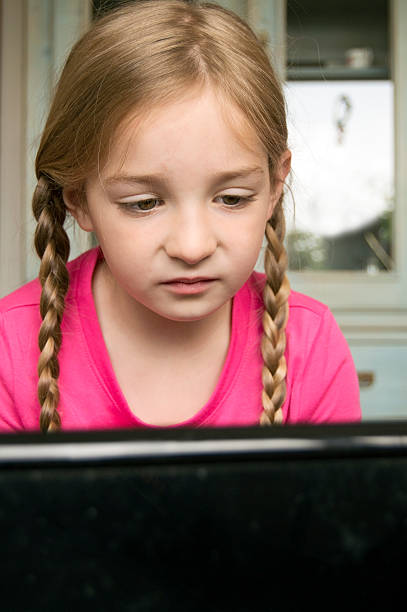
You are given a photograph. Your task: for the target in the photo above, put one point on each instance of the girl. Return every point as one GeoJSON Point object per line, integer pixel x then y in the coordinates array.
{"type": "Point", "coordinates": [167, 139]}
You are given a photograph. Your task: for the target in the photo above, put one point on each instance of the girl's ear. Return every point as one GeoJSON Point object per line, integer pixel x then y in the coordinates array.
{"type": "Point", "coordinates": [74, 201]}
{"type": "Point", "coordinates": [283, 168]}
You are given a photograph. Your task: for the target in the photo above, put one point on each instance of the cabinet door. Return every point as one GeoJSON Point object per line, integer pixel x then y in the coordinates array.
{"type": "Point", "coordinates": [383, 384]}
{"type": "Point", "coordinates": [348, 132]}
{"type": "Point", "coordinates": [345, 80]}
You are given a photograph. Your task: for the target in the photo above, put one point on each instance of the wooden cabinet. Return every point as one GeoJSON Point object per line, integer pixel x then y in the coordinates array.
{"type": "Point", "coordinates": [311, 43]}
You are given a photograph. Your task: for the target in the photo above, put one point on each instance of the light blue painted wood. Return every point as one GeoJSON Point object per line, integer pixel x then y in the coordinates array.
{"type": "Point", "coordinates": [386, 398]}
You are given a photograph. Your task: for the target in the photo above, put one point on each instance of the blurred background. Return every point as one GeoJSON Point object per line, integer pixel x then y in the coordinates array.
{"type": "Point", "coordinates": [343, 64]}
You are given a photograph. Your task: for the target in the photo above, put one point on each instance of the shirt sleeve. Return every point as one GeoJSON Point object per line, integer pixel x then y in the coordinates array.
{"type": "Point", "coordinates": [7, 404]}
{"type": "Point", "coordinates": [328, 390]}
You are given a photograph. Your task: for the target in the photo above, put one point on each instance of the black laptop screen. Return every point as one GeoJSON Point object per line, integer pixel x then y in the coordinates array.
{"type": "Point", "coordinates": [292, 518]}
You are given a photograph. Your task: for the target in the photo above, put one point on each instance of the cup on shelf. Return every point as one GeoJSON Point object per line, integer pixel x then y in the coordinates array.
{"type": "Point", "coordinates": [359, 57]}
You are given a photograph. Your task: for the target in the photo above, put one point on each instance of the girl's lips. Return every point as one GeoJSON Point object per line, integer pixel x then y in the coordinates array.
{"type": "Point", "coordinates": [189, 286]}
{"type": "Point", "coordinates": [195, 279]}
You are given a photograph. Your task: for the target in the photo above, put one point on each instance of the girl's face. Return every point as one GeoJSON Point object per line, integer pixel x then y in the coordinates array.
{"type": "Point", "coordinates": [181, 206]}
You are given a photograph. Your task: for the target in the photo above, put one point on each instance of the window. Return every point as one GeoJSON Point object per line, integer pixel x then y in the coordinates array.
{"type": "Point", "coordinates": [340, 110]}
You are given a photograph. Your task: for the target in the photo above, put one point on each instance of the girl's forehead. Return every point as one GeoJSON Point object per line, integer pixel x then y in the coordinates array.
{"type": "Point", "coordinates": [204, 106]}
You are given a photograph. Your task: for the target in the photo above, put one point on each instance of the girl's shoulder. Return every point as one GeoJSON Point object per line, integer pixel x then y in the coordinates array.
{"type": "Point", "coordinates": [28, 296]}
{"type": "Point", "coordinates": [308, 319]}
{"type": "Point", "coordinates": [298, 302]}
{"type": "Point", "coordinates": [24, 297]}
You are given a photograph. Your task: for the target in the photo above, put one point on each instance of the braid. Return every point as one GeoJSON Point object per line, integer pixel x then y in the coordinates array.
{"type": "Point", "coordinates": [52, 245]}
{"type": "Point", "coordinates": [275, 318]}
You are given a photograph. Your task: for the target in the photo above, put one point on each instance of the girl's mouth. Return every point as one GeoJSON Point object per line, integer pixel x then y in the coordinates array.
{"type": "Point", "coordinates": [189, 286]}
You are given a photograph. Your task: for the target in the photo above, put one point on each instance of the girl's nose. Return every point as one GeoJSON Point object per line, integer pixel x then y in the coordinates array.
{"type": "Point", "coordinates": [191, 237]}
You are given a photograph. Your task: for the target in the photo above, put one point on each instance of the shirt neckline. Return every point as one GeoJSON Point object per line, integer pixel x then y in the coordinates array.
{"type": "Point", "coordinates": [100, 358]}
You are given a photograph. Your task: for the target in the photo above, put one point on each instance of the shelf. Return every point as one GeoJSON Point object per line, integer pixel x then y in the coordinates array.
{"type": "Point", "coordinates": [337, 73]}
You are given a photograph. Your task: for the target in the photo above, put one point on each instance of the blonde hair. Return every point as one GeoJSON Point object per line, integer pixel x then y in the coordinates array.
{"type": "Point", "coordinates": [137, 56]}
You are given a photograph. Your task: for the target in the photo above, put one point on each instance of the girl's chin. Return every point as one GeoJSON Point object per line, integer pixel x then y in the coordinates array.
{"type": "Point", "coordinates": [188, 316]}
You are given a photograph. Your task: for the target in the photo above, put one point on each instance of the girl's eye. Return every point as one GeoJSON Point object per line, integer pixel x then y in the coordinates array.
{"type": "Point", "coordinates": [141, 205]}
{"type": "Point", "coordinates": [146, 204]}
{"type": "Point", "coordinates": [235, 200]}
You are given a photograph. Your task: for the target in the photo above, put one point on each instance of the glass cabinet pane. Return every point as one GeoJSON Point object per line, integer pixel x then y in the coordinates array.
{"type": "Point", "coordinates": [341, 136]}
{"type": "Point", "coordinates": [340, 104]}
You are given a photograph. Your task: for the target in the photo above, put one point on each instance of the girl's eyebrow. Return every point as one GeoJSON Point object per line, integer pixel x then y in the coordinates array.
{"type": "Point", "coordinates": [162, 179]}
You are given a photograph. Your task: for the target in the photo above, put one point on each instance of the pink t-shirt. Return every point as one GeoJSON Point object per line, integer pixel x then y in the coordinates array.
{"type": "Point", "coordinates": [322, 384]}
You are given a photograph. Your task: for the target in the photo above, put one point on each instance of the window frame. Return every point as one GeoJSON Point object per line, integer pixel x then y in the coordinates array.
{"type": "Point", "coordinates": [365, 306]}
